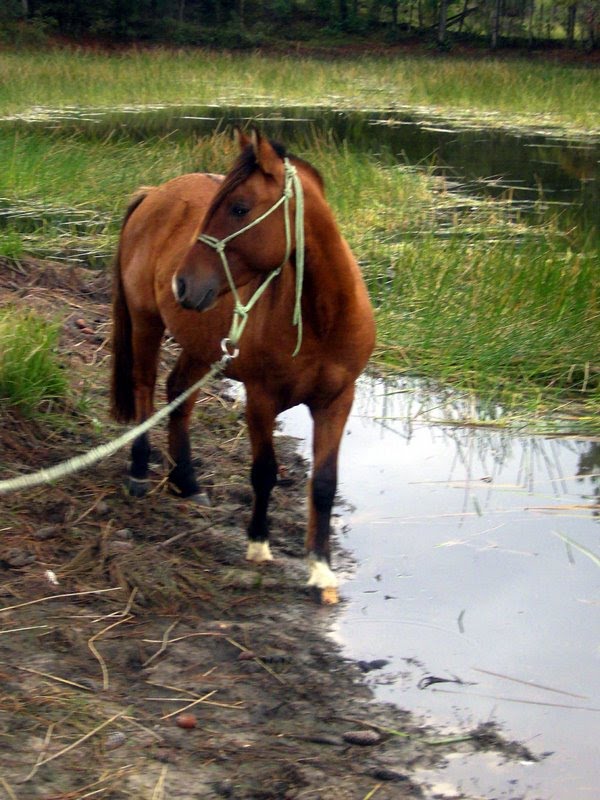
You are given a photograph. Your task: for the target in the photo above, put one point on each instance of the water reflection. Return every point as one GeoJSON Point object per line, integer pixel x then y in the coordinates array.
{"type": "Point", "coordinates": [477, 563]}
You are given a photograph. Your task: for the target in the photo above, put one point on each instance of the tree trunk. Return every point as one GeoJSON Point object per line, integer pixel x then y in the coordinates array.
{"type": "Point", "coordinates": [496, 23]}
{"type": "Point", "coordinates": [571, 21]}
{"type": "Point", "coordinates": [464, 14]}
{"type": "Point", "coordinates": [441, 38]}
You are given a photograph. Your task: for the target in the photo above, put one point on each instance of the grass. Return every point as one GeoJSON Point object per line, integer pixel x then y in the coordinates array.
{"type": "Point", "coordinates": [31, 377]}
{"type": "Point", "coordinates": [506, 92]}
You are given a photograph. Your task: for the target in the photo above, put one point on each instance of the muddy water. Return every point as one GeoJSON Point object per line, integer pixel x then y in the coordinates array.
{"type": "Point", "coordinates": [462, 575]}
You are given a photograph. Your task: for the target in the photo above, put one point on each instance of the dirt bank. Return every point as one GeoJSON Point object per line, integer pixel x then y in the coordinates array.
{"type": "Point", "coordinates": [116, 614]}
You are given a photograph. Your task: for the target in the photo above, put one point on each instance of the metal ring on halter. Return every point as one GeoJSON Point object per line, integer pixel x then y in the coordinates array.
{"type": "Point", "coordinates": [229, 349]}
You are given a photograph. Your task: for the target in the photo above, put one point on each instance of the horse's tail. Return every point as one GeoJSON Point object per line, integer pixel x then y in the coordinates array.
{"type": "Point", "coordinates": [122, 398]}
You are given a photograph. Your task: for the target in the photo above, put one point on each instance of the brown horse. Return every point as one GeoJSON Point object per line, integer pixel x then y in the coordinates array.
{"type": "Point", "coordinates": [203, 243]}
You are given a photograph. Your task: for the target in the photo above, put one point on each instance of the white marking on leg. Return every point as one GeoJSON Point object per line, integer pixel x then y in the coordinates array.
{"type": "Point", "coordinates": [320, 574]}
{"type": "Point", "coordinates": [258, 551]}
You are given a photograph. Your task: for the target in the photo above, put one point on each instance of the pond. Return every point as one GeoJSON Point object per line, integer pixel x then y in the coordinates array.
{"type": "Point", "coordinates": [477, 581]}
{"type": "Point", "coordinates": [540, 173]}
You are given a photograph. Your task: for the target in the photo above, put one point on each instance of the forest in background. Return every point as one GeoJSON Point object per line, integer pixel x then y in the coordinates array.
{"type": "Point", "coordinates": [495, 24]}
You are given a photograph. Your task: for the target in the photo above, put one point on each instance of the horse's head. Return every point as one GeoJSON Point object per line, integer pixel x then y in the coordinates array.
{"type": "Point", "coordinates": [246, 230]}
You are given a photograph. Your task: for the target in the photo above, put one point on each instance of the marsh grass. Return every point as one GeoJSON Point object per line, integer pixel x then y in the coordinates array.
{"type": "Point", "coordinates": [466, 292]}
{"type": "Point", "coordinates": [31, 376]}
{"type": "Point", "coordinates": [516, 91]}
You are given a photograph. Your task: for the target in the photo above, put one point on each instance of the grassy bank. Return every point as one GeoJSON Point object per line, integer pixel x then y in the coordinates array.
{"type": "Point", "coordinates": [504, 92]}
{"type": "Point", "coordinates": [464, 293]}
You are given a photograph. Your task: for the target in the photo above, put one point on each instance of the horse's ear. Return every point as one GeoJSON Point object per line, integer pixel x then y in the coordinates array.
{"type": "Point", "coordinates": [266, 157]}
{"type": "Point", "coordinates": [240, 138]}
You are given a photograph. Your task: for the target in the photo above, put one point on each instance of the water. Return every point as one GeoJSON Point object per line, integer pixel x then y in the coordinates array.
{"type": "Point", "coordinates": [470, 566]}
{"type": "Point", "coordinates": [541, 173]}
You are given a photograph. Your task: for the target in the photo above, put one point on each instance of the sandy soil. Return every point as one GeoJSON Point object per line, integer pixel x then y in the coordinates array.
{"type": "Point", "coordinates": [118, 616]}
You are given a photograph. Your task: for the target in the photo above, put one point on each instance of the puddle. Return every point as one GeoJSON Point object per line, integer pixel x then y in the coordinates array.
{"type": "Point", "coordinates": [476, 563]}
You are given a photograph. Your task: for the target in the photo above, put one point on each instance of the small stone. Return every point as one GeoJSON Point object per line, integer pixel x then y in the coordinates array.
{"type": "Point", "coordinates": [124, 533]}
{"type": "Point", "coordinates": [385, 774]}
{"type": "Point", "coordinates": [364, 738]}
{"type": "Point", "coordinates": [16, 558]}
{"type": "Point", "coordinates": [116, 548]}
{"type": "Point", "coordinates": [46, 532]}
{"type": "Point", "coordinates": [186, 721]}
{"type": "Point", "coordinates": [114, 740]}
{"type": "Point", "coordinates": [102, 507]}
{"type": "Point", "coordinates": [246, 655]}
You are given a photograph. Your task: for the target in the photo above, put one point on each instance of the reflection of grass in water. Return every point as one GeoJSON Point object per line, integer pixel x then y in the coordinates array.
{"type": "Point", "coordinates": [465, 292]}
{"type": "Point", "coordinates": [518, 90]}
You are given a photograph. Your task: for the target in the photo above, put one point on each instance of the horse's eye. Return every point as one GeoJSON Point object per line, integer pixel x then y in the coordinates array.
{"type": "Point", "coordinates": [239, 210]}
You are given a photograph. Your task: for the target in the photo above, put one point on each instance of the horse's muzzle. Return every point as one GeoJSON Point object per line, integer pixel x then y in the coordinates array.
{"type": "Point", "coordinates": [191, 296]}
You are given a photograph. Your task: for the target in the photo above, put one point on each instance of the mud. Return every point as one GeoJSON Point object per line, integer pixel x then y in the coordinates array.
{"type": "Point", "coordinates": [119, 615]}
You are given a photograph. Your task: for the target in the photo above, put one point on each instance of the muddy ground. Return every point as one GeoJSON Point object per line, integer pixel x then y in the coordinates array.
{"type": "Point", "coordinates": [119, 615]}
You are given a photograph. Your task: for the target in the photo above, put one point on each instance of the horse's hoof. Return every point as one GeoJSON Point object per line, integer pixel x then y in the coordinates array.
{"type": "Point", "coordinates": [199, 499]}
{"type": "Point", "coordinates": [258, 552]}
{"type": "Point", "coordinates": [329, 596]}
{"type": "Point", "coordinates": [137, 487]}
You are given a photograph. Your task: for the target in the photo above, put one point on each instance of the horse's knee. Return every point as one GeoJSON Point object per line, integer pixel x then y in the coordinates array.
{"type": "Point", "coordinates": [263, 474]}
{"type": "Point", "coordinates": [324, 485]}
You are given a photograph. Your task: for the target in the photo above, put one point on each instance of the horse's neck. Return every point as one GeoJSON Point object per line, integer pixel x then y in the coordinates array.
{"type": "Point", "coordinates": [331, 275]}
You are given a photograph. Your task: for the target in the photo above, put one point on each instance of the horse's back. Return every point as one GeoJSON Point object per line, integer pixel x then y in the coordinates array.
{"type": "Point", "coordinates": [158, 230]}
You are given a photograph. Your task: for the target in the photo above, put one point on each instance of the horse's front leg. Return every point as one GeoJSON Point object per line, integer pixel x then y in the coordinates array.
{"type": "Point", "coordinates": [260, 416]}
{"type": "Point", "coordinates": [182, 475]}
{"type": "Point", "coordinates": [329, 425]}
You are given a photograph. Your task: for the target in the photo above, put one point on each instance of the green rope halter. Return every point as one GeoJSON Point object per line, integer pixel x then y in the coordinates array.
{"type": "Point", "coordinates": [292, 185]}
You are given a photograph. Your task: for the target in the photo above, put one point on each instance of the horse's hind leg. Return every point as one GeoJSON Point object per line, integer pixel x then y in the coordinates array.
{"type": "Point", "coordinates": [182, 475]}
{"type": "Point", "coordinates": [329, 425]}
{"type": "Point", "coordinates": [146, 338]}
{"type": "Point", "coordinates": [260, 415]}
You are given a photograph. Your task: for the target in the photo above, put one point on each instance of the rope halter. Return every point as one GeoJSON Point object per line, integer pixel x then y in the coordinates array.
{"type": "Point", "coordinates": [292, 185]}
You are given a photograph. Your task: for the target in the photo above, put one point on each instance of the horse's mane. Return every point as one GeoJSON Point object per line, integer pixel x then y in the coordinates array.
{"type": "Point", "coordinates": [245, 165]}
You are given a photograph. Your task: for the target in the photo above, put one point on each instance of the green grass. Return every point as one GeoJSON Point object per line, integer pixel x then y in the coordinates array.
{"type": "Point", "coordinates": [504, 91]}
{"type": "Point", "coordinates": [31, 377]}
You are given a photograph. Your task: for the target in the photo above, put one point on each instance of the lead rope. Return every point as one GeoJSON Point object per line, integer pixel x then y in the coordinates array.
{"type": "Point", "coordinates": [229, 345]}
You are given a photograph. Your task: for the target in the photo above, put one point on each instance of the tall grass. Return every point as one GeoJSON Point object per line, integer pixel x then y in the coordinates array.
{"type": "Point", "coordinates": [514, 91]}
{"type": "Point", "coordinates": [30, 372]}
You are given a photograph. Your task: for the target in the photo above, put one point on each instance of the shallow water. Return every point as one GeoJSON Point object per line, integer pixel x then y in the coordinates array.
{"type": "Point", "coordinates": [461, 574]}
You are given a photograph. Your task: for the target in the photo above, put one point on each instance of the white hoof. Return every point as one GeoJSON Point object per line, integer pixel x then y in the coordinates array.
{"type": "Point", "coordinates": [320, 575]}
{"type": "Point", "coordinates": [258, 551]}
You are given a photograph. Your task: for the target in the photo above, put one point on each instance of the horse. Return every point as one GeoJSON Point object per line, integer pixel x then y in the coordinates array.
{"type": "Point", "coordinates": [259, 246]}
